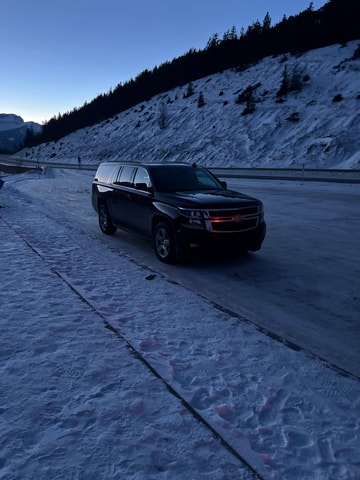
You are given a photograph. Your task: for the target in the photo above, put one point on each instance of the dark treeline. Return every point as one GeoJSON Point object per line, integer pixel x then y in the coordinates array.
{"type": "Point", "coordinates": [336, 22]}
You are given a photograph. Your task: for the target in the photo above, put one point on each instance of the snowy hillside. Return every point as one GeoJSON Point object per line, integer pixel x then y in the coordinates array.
{"type": "Point", "coordinates": [318, 126]}
{"type": "Point", "coordinates": [13, 130]}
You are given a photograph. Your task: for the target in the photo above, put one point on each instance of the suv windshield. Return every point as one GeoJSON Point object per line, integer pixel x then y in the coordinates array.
{"type": "Point", "coordinates": [182, 177]}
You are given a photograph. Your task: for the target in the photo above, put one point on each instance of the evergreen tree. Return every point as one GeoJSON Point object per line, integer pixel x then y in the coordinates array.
{"type": "Point", "coordinates": [163, 117]}
{"type": "Point", "coordinates": [201, 101]}
{"type": "Point", "coordinates": [266, 22]}
{"type": "Point", "coordinates": [189, 91]}
{"type": "Point", "coordinates": [213, 41]}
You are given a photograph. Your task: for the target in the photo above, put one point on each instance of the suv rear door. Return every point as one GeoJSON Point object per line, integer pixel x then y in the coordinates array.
{"type": "Point", "coordinates": [131, 199]}
{"type": "Point", "coordinates": [120, 200]}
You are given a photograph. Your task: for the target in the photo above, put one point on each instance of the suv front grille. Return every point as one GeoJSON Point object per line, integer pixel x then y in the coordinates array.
{"type": "Point", "coordinates": [232, 220]}
{"type": "Point", "coordinates": [234, 211]}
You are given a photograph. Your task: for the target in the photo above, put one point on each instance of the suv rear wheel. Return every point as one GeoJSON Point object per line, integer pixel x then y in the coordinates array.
{"type": "Point", "coordinates": [164, 243]}
{"type": "Point", "coordinates": [105, 223]}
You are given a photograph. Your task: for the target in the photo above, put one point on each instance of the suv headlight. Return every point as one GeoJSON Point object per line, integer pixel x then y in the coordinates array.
{"type": "Point", "coordinates": [193, 218]}
{"type": "Point", "coordinates": [262, 213]}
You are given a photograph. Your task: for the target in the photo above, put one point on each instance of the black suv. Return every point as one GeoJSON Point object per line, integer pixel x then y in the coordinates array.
{"type": "Point", "coordinates": [180, 206]}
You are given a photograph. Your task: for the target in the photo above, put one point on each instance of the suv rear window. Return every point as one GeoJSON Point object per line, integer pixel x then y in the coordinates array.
{"type": "Point", "coordinates": [105, 172]}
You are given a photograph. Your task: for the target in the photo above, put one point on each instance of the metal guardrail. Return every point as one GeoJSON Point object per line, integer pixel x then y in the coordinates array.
{"type": "Point", "coordinates": [17, 165]}
{"type": "Point", "coordinates": [299, 174]}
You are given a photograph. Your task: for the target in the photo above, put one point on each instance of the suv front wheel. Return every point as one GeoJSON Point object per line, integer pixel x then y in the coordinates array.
{"type": "Point", "coordinates": [164, 243]}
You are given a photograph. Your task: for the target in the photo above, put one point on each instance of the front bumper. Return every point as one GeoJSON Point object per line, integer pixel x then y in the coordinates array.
{"type": "Point", "coordinates": [191, 238]}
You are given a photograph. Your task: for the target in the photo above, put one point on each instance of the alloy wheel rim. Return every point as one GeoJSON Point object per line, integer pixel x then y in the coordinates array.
{"type": "Point", "coordinates": [163, 243]}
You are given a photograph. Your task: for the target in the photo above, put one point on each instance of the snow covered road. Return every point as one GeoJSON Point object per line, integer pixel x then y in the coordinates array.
{"type": "Point", "coordinates": [77, 403]}
{"type": "Point", "coordinates": [307, 274]}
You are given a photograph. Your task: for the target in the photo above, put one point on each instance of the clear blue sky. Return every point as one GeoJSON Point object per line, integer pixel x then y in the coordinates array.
{"type": "Point", "coordinates": [57, 55]}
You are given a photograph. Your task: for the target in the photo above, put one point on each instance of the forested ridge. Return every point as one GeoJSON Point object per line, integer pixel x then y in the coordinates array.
{"type": "Point", "coordinates": [336, 22]}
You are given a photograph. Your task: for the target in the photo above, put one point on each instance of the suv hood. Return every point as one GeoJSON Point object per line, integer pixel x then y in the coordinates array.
{"type": "Point", "coordinates": [208, 199]}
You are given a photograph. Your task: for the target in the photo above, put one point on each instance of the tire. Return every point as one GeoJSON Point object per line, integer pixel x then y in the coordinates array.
{"type": "Point", "coordinates": [105, 223]}
{"type": "Point", "coordinates": [164, 243]}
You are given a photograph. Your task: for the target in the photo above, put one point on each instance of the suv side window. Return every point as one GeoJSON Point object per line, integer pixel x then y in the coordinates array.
{"type": "Point", "coordinates": [126, 176]}
{"type": "Point", "coordinates": [142, 179]}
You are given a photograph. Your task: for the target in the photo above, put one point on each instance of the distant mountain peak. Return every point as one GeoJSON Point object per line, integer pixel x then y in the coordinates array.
{"type": "Point", "coordinates": [9, 121]}
{"type": "Point", "coordinates": [13, 130]}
